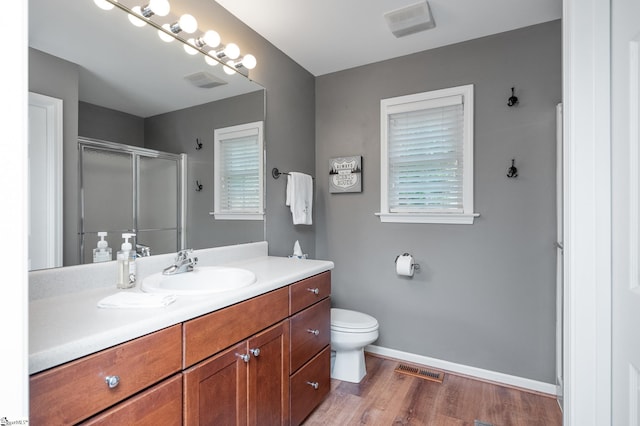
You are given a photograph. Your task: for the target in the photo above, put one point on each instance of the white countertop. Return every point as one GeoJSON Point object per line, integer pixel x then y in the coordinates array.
{"type": "Point", "coordinates": [69, 326]}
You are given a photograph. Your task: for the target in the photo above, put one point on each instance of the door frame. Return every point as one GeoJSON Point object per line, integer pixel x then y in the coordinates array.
{"type": "Point", "coordinates": [587, 216]}
{"type": "Point", "coordinates": [53, 190]}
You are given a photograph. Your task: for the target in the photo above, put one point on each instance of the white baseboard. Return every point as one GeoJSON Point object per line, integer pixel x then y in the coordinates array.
{"type": "Point", "coordinates": [466, 370]}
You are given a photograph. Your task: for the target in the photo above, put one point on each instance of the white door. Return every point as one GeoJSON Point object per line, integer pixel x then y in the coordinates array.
{"type": "Point", "coordinates": [45, 182]}
{"type": "Point", "coordinates": [625, 111]}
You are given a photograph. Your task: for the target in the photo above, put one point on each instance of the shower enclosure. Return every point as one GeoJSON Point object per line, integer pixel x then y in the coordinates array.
{"type": "Point", "coordinates": [125, 188]}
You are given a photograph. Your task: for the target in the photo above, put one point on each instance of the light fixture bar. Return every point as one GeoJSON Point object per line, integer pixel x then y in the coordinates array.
{"type": "Point", "coordinates": [170, 33]}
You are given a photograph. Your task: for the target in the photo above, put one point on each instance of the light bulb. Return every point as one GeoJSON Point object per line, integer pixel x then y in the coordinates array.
{"type": "Point", "coordinates": [159, 7]}
{"type": "Point", "coordinates": [211, 38]}
{"type": "Point", "coordinates": [249, 62]}
{"type": "Point", "coordinates": [188, 23]}
{"type": "Point", "coordinates": [230, 68]}
{"type": "Point", "coordinates": [210, 60]}
{"type": "Point", "coordinates": [232, 51]}
{"type": "Point", "coordinates": [134, 19]}
{"type": "Point", "coordinates": [164, 36]}
{"type": "Point", "coordinates": [187, 48]}
{"type": "Point", "coordinates": [103, 4]}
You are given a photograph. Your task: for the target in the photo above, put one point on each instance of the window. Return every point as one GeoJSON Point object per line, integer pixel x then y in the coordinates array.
{"type": "Point", "coordinates": [238, 172]}
{"type": "Point", "coordinates": [427, 157]}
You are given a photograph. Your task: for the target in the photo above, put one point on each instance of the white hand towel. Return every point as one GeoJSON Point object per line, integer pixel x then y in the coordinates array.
{"type": "Point", "coordinates": [300, 197]}
{"type": "Point", "coordinates": [126, 299]}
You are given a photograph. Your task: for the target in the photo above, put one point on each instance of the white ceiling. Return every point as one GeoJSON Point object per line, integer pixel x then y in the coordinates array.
{"type": "Point", "coordinates": [123, 67]}
{"type": "Point", "coordinates": [325, 36]}
{"type": "Point", "coordinates": [118, 67]}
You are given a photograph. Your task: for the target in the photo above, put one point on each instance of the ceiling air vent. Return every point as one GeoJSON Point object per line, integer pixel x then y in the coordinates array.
{"type": "Point", "coordinates": [204, 80]}
{"type": "Point", "coordinates": [410, 19]}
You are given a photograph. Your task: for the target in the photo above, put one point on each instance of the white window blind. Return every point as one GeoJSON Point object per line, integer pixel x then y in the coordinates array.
{"type": "Point", "coordinates": [238, 172]}
{"type": "Point", "coordinates": [427, 163]}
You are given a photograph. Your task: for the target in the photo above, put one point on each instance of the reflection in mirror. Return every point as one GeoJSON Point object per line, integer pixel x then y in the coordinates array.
{"type": "Point", "coordinates": [121, 84]}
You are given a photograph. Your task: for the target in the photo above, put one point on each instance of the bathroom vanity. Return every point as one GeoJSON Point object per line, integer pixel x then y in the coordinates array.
{"type": "Point", "coordinates": [258, 356]}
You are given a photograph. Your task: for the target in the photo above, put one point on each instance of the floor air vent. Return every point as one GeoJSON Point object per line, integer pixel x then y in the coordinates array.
{"type": "Point", "coordinates": [423, 373]}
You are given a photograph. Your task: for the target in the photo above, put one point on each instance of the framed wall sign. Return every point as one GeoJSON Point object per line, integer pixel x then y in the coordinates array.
{"type": "Point", "coordinates": [345, 174]}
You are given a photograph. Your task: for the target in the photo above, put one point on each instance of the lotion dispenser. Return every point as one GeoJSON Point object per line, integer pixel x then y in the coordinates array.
{"type": "Point", "coordinates": [103, 252]}
{"type": "Point", "coordinates": [126, 258]}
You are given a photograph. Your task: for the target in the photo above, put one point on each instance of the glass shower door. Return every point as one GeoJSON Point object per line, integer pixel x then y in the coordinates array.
{"type": "Point", "coordinates": [130, 189]}
{"type": "Point", "coordinates": [158, 206]}
{"type": "Point", "coordinates": [106, 197]}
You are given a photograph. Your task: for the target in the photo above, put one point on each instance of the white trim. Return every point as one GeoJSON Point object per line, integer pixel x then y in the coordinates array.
{"type": "Point", "coordinates": [53, 172]}
{"type": "Point", "coordinates": [14, 392]}
{"type": "Point", "coordinates": [488, 375]}
{"type": "Point", "coordinates": [463, 94]}
{"type": "Point", "coordinates": [238, 131]}
{"type": "Point", "coordinates": [587, 212]}
{"type": "Point", "coordinates": [451, 218]}
{"type": "Point", "coordinates": [634, 208]}
{"type": "Point", "coordinates": [237, 216]}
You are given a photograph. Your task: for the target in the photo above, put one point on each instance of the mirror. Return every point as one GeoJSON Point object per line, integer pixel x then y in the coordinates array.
{"type": "Point", "coordinates": [161, 98]}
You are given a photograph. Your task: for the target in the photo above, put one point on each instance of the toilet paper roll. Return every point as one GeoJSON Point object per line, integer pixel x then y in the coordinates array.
{"type": "Point", "coordinates": [405, 265]}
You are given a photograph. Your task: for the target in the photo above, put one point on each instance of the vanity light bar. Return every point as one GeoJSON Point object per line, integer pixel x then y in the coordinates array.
{"type": "Point", "coordinates": [169, 32]}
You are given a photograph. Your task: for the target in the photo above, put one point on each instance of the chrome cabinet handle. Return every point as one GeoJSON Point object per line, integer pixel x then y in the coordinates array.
{"type": "Point", "coordinates": [314, 385]}
{"type": "Point", "coordinates": [314, 290]}
{"type": "Point", "coordinates": [255, 352]}
{"type": "Point", "coordinates": [112, 381]}
{"type": "Point", "coordinates": [244, 357]}
{"type": "Point", "coordinates": [314, 332]}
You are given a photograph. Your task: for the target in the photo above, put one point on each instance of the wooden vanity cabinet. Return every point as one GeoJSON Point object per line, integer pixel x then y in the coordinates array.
{"type": "Point", "coordinates": [247, 384]}
{"type": "Point", "coordinates": [263, 361]}
{"type": "Point", "coordinates": [310, 366]}
{"type": "Point", "coordinates": [74, 391]}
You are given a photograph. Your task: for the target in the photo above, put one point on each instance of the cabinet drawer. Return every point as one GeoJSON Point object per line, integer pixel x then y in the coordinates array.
{"type": "Point", "coordinates": [309, 291]}
{"type": "Point", "coordinates": [76, 390]}
{"type": "Point", "coordinates": [305, 394]}
{"type": "Point", "coordinates": [160, 405]}
{"type": "Point", "coordinates": [211, 333]}
{"type": "Point", "coordinates": [310, 332]}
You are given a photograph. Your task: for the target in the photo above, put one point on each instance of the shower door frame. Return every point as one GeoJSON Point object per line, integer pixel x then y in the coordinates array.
{"type": "Point", "coordinates": [135, 152]}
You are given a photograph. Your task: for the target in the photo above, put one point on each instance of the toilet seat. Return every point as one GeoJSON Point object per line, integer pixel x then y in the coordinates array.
{"type": "Point", "coordinates": [352, 321]}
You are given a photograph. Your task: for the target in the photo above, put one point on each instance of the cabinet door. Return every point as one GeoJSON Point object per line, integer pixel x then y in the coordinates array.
{"type": "Point", "coordinates": [269, 376]}
{"type": "Point", "coordinates": [215, 391]}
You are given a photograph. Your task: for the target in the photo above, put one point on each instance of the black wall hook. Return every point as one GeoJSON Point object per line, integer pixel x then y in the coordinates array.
{"type": "Point", "coordinates": [198, 186]}
{"type": "Point", "coordinates": [513, 100]}
{"type": "Point", "coordinates": [198, 144]}
{"type": "Point", "coordinates": [512, 172]}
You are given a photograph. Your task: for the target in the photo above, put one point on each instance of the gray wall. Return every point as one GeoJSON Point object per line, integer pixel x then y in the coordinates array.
{"type": "Point", "coordinates": [289, 127]}
{"type": "Point", "coordinates": [107, 124]}
{"type": "Point", "coordinates": [485, 296]}
{"type": "Point", "coordinates": [55, 77]}
{"type": "Point", "coordinates": [177, 132]}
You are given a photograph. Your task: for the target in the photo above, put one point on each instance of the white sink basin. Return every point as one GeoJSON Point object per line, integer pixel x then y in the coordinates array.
{"type": "Point", "coordinates": [202, 280]}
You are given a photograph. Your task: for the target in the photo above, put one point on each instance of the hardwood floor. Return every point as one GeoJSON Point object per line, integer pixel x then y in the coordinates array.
{"type": "Point", "coordinates": [385, 397]}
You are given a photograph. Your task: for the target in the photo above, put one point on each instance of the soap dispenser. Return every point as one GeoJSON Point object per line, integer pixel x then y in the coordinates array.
{"type": "Point", "coordinates": [126, 258]}
{"type": "Point", "coordinates": [103, 252]}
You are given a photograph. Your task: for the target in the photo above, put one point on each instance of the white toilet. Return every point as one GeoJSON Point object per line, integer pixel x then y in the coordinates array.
{"type": "Point", "coordinates": [351, 331]}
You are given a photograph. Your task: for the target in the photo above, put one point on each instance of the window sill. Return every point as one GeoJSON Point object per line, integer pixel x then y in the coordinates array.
{"type": "Point", "coordinates": [237, 216]}
{"type": "Point", "coordinates": [442, 218]}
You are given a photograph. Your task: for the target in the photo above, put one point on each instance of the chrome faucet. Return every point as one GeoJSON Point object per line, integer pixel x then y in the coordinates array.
{"type": "Point", "coordinates": [184, 262]}
{"type": "Point", "coordinates": [142, 250]}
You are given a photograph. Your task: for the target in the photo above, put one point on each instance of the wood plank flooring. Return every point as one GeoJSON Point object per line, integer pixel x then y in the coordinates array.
{"type": "Point", "coordinates": [385, 397]}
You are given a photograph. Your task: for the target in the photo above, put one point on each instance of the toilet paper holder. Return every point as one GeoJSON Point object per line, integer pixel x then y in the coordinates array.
{"type": "Point", "coordinates": [416, 266]}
